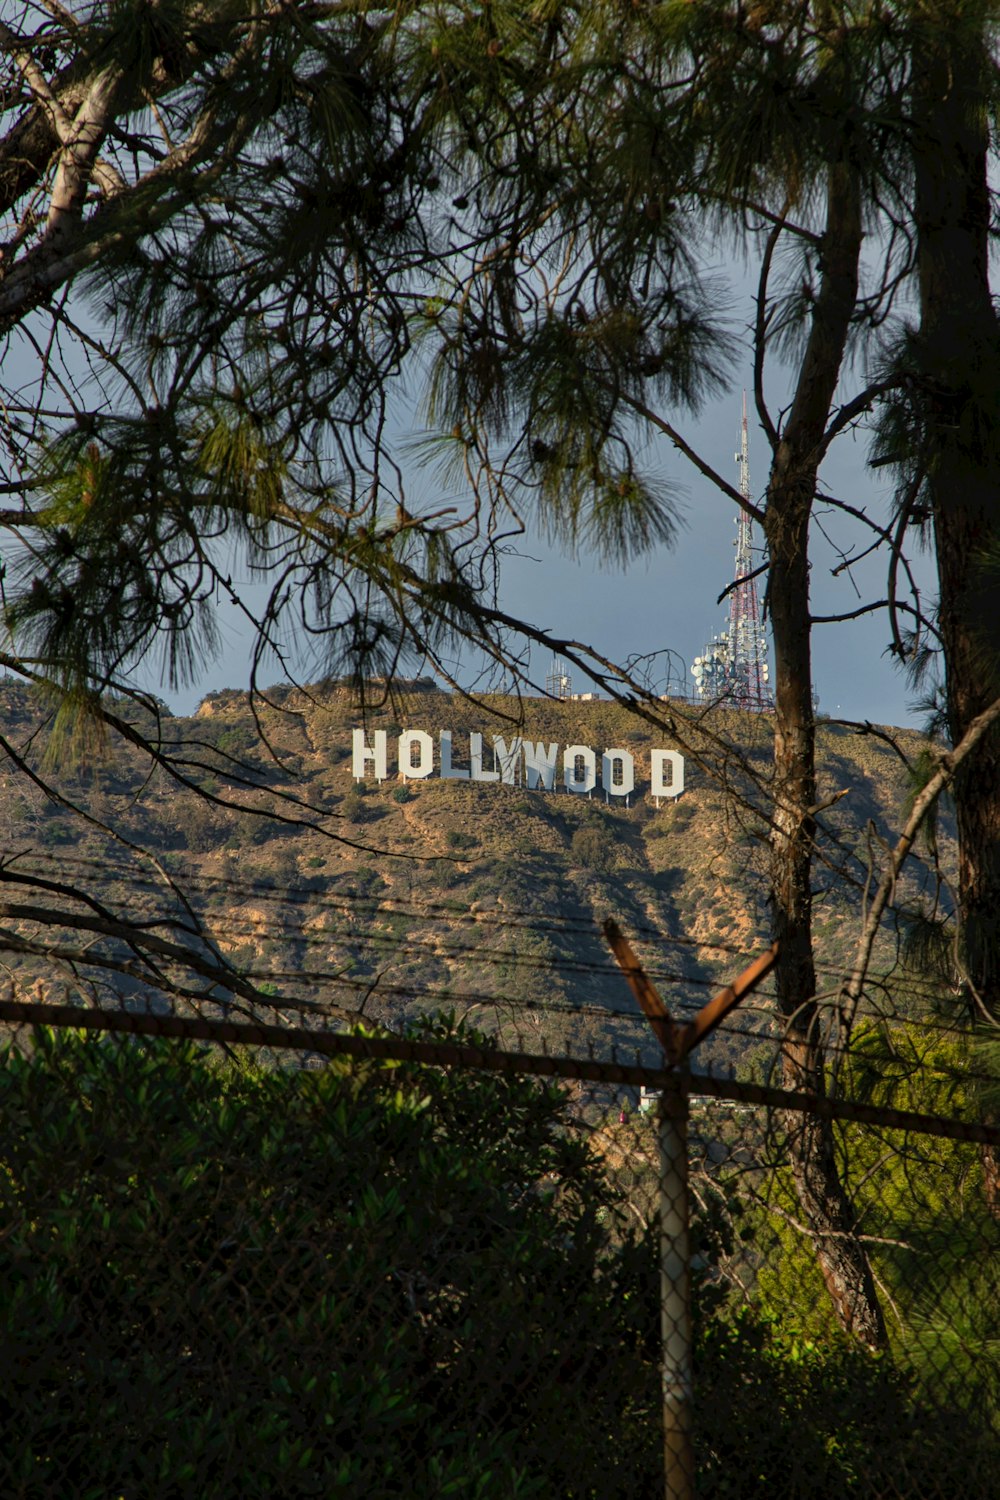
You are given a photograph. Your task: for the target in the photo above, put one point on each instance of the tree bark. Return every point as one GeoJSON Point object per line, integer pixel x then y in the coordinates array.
{"type": "Point", "coordinates": [959, 391]}
{"type": "Point", "coordinates": [959, 394]}
{"type": "Point", "coordinates": [825, 1204]}
{"type": "Point", "coordinates": [990, 1160]}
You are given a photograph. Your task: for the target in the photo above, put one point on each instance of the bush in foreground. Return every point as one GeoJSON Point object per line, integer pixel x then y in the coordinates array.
{"type": "Point", "coordinates": [373, 1280]}
{"type": "Point", "coordinates": [223, 1281]}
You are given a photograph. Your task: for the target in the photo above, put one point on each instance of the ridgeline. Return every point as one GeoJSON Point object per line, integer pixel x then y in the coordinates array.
{"type": "Point", "coordinates": [485, 897]}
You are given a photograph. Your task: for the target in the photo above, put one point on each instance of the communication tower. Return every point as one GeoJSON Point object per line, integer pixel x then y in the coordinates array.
{"type": "Point", "coordinates": [558, 683]}
{"type": "Point", "coordinates": [733, 666]}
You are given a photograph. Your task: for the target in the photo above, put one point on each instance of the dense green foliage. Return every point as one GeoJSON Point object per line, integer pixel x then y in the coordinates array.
{"type": "Point", "coordinates": [784, 1416]}
{"type": "Point", "coordinates": [222, 1280]}
{"type": "Point", "coordinates": [228, 1280]}
{"type": "Point", "coordinates": [921, 1204]}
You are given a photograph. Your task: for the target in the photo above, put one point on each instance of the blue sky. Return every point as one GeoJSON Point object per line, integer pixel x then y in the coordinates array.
{"type": "Point", "coordinates": [668, 599]}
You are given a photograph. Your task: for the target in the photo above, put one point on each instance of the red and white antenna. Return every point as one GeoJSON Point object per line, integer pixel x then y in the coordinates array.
{"type": "Point", "coordinates": [733, 666]}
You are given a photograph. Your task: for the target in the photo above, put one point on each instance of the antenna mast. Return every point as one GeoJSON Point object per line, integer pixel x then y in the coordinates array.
{"type": "Point", "coordinates": [734, 665]}
{"type": "Point", "coordinates": [558, 683]}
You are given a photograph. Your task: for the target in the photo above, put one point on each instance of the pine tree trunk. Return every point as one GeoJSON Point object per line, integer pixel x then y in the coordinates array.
{"type": "Point", "coordinates": [990, 1159]}
{"type": "Point", "coordinates": [824, 1202]}
{"type": "Point", "coordinates": [959, 353]}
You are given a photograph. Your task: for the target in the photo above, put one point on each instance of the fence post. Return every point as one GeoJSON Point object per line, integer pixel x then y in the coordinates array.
{"type": "Point", "coordinates": [675, 1293]}
{"type": "Point", "coordinates": [675, 1249]}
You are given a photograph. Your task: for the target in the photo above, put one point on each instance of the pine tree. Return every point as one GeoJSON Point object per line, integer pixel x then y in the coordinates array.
{"type": "Point", "coordinates": [321, 197]}
{"type": "Point", "coordinates": [694, 123]}
{"type": "Point", "coordinates": [250, 226]}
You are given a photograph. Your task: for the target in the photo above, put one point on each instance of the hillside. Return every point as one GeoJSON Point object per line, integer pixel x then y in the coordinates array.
{"type": "Point", "coordinates": [483, 895]}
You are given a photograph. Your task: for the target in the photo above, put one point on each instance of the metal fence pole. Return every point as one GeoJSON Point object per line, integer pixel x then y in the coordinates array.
{"type": "Point", "coordinates": [675, 1294]}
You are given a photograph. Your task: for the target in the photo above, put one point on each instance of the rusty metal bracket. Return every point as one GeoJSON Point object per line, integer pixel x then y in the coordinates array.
{"type": "Point", "coordinates": [679, 1041]}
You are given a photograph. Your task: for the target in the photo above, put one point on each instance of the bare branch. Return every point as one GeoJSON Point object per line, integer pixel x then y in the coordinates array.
{"type": "Point", "coordinates": [950, 761]}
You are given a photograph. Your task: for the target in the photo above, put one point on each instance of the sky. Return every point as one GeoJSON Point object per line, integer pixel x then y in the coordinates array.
{"type": "Point", "coordinates": [668, 598]}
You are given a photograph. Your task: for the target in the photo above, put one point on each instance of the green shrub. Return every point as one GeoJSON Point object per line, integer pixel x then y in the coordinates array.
{"type": "Point", "coordinates": [236, 742]}
{"type": "Point", "coordinates": [251, 830]}
{"type": "Point", "coordinates": [382, 1280]}
{"type": "Point", "coordinates": [55, 831]}
{"type": "Point", "coordinates": [356, 807]}
{"type": "Point", "coordinates": [778, 1416]}
{"type": "Point", "coordinates": [593, 848]}
{"type": "Point", "coordinates": [235, 1283]}
{"type": "Point", "coordinates": [365, 880]}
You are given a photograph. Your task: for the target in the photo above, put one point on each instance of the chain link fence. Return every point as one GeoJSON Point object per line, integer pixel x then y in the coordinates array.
{"type": "Point", "coordinates": [247, 1261]}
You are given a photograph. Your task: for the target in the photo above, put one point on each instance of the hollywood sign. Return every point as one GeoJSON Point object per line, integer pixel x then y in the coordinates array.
{"type": "Point", "coordinates": [519, 762]}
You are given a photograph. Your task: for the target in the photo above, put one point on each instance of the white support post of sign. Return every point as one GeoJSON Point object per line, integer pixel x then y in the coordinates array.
{"type": "Point", "coordinates": [362, 753]}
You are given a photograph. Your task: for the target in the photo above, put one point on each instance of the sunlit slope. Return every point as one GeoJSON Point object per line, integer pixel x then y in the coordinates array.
{"type": "Point", "coordinates": [481, 895]}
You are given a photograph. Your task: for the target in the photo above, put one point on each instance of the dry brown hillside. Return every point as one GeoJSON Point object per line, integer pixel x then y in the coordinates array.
{"type": "Point", "coordinates": [485, 897]}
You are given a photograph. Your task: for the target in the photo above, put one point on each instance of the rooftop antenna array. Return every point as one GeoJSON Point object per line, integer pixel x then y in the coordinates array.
{"type": "Point", "coordinates": [733, 666]}
{"type": "Point", "coordinates": [558, 683]}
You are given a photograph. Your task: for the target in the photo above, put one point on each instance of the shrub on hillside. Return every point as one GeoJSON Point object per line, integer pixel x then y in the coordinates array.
{"type": "Point", "coordinates": [681, 815]}
{"type": "Point", "coordinates": [593, 848]}
{"type": "Point", "coordinates": [357, 807]}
